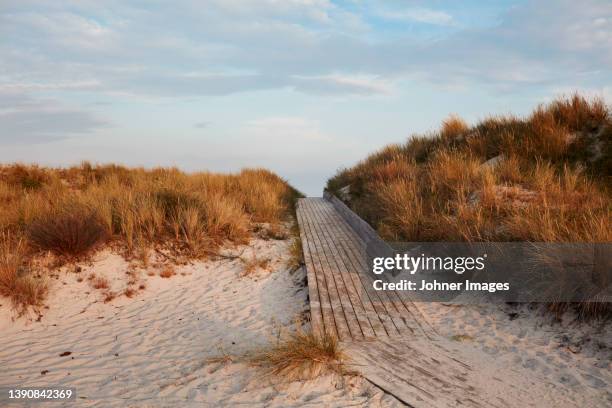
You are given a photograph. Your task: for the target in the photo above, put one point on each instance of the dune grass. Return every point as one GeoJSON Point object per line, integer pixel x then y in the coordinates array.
{"type": "Point", "coordinates": [301, 356]}
{"type": "Point", "coordinates": [17, 280]}
{"type": "Point", "coordinates": [73, 211]}
{"type": "Point", "coordinates": [254, 264]}
{"type": "Point", "coordinates": [542, 178]}
{"type": "Point", "coordinates": [548, 179]}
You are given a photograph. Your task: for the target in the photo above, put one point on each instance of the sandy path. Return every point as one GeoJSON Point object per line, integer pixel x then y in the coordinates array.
{"type": "Point", "coordinates": [152, 350]}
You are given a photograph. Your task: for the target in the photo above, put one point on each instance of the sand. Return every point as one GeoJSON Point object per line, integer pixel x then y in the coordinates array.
{"type": "Point", "coordinates": [162, 347]}
{"type": "Point", "coordinates": [155, 348]}
{"type": "Point", "coordinates": [570, 357]}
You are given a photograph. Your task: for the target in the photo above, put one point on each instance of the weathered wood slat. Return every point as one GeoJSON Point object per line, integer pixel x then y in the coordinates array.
{"type": "Point", "coordinates": [351, 291]}
{"type": "Point", "coordinates": [406, 310]}
{"type": "Point", "coordinates": [335, 281]}
{"type": "Point", "coordinates": [383, 305]}
{"type": "Point", "coordinates": [337, 266]}
{"type": "Point", "coordinates": [422, 373]}
{"type": "Point", "coordinates": [326, 276]}
{"type": "Point", "coordinates": [316, 316]}
{"type": "Point", "coordinates": [343, 301]}
{"type": "Point", "coordinates": [341, 249]}
{"type": "Point", "coordinates": [310, 253]}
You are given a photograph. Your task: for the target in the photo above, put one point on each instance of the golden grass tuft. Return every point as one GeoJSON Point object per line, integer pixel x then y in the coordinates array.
{"type": "Point", "coordinates": [301, 356]}
{"type": "Point", "coordinates": [453, 127]}
{"type": "Point", "coordinates": [167, 272]}
{"type": "Point", "coordinates": [129, 292]}
{"type": "Point", "coordinates": [100, 283]}
{"type": "Point", "coordinates": [539, 187]}
{"type": "Point", "coordinates": [254, 264]}
{"type": "Point", "coordinates": [296, 254]}
{"type": "Point", "coordinates": [70, 230]}
{"type": "Point", "coordinates": [109, 296]}
{"type": "Point", "coordinates": [17, 282]}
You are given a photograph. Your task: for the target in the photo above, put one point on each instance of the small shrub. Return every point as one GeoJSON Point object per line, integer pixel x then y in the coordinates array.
{"type": "Point", "coordinates": [71, 231]}
{"type": "Point", "coordinates": [100, 283]}
{"type": "Point", "coordinates": [579, 113]}
{"type": "Point", "coordinates": [301, 356]}
{"type": "Point", "coordinates": [167, 272]}
{"type": "Point", "coordinates": [129, 292]}
{"type": "Point", "coordinates": [453, 127]}
{"type": "Point", "coordinates": [26, 177]}
{"type": "Point", "coordinates": [296, 254]}
{"type": "Point", "coordinates": [16, 280]}
{"type": "Point", "coordinates": [109, 296]}
{"type": "Point", "coordinates": [254, 264]}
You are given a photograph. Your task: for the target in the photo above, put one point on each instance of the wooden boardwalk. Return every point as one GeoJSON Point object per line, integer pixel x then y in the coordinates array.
{"type": "Point", "coordinates": [386, 337]}
{"type": "Point", "coordinates": [342, 301]}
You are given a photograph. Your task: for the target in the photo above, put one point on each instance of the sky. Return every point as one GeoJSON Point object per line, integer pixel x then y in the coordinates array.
{"type": "Point", "coordinates": [302, 87]}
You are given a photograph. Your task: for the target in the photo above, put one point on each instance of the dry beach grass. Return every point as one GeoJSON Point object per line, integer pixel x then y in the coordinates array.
{"type": "Point", "coordinates": [71, 212]}
{"type": "Point", "coordinates": [543, 178]}
{"type": "Point", "coordinates": [301, 356]}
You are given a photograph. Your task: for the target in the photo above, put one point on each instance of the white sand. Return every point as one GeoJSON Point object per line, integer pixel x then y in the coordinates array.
{"type": "Point", "coordinates": [153, 349]}
{"type": "Point", "coordinates": [571, 357]}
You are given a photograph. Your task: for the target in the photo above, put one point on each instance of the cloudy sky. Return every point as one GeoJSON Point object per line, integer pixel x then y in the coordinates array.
{"type": "Point", "coordinates": [303, 87]}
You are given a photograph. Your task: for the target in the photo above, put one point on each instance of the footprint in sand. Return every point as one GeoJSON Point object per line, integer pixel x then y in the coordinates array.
{"type": "Point", "coordinates": [594, 381]}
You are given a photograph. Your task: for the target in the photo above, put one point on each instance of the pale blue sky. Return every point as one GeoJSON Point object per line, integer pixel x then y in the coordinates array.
{"type": "Point", "coordinates": [303, 87]}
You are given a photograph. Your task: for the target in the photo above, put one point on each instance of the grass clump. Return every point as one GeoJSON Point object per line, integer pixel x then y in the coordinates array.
{"type": "Point", "coordinates": [301, 356]}
{"type": "Point", "coordinates": [254, 264]}
{"type": "Point", "coordinates": [71, 230]}
{"type": "Point", "coordinates": [296, 254]}
{"type": "Point", "coordinates": [100, 283]}
{"type": "Point", "coordinates": [167, 272]}
{"type": "Point", "coordinates": [17, 281]}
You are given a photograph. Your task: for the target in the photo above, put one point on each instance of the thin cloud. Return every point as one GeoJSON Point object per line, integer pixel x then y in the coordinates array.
{"type": "Point", "coordinates": [25, 120]}
{"type": "Point", "coordinates": [202, 125]}
{"type": "Point", "coordinates": [316, 47]}
{"type": "Point", "coordinates": [419, 15]}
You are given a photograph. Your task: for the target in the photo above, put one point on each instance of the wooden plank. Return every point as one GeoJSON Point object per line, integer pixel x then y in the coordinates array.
{"type": "Point", "coordinates": [424, 375]}
{"type": "Point", "coordinates": [403, 310]}
{"type": "Point", "coordinates": [362, 297]}
{"type": "Point", "coordinates": [322, 270]}
{"type": "Point", "coordinates": [409, 310]}
{"type": "Point", "coordinates": [326, 305]}
{"type": "Point", "coordinates": [316, 316]}
{"type": "Point", "coordinates": [329, 324]}
{"type": "Point", "coordinates": [335, 282]}
{"type": "Point", "coordinates": [380, 301]}
{"type": "Point", "coordinates": [343, 301]}
{"type": "Point", "coordinates": [372, 304]}
{"type": "Point", "coordinates": [340, 264]}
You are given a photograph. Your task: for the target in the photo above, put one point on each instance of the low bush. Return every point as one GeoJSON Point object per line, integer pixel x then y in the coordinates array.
{"type": "Point", "coordinates": [17, 281]}
{"type": "Point", "coordinates": [71, 230]}
{"type": "Point", "coordinates": [301, 356]}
